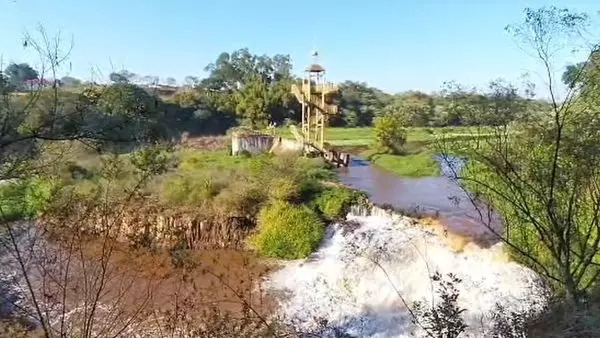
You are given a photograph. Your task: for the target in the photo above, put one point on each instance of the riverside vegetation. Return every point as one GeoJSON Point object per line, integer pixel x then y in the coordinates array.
{"type": "Point", "coordinates": [69, 146]}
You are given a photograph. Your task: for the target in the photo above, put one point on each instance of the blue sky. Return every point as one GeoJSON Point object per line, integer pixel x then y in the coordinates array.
{"type": "Point", "coordinates": [394, 45]}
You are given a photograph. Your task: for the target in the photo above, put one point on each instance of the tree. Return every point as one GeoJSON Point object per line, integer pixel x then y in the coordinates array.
{"type": "Point", "coordinates": [255, 102]}
{"type": "Point", "coordinates": [252, 86]}
{"type": "Point", "coordinates": [571, 74]}
{"type": "Point", "coordinates": [149, 80]}
{"type": "Point", "coordinates": [191, 80]}
{"type": "Point", "coordinates": [123, 76]}
{"type": "Point", "coordinates": [231, 71]}
{"type": "Point", "coordinates": [416, 107]}
{"type": "Point", "coordinates": [5, 86]}
{"type": "Point", "coordinates": [358, 104]}
{"type": "Point", "coordinates": [127, 100]}
{"type": "Point", "coordinates": [504, 104]}
{"type": "Point", "coordinates": [542, 176]}
{"type": "Point", "coordinates": [390, 135]}
{"type": "Point", "coordinates": [171, 81]}
{"type": "Point", "coordinates": [19, 74]}
{"type": "Point", "coordinates": [48, 275]}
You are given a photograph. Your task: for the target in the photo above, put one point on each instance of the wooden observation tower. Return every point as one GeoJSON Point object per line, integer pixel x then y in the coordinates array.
{"type": "Point", "coordinates": [316, 96]}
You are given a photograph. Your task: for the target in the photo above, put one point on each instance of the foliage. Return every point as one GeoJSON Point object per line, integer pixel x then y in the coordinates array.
{"type": "Point", "coordinates": [230, 70]}
{"type": "Point", "coordinates": [123, 76]}
{"type": "Point", "coordinates": [390, 134]}
{"type": "Point", "coordinates": [151, 160]}
{"type": "Point", "coordinates": [334, 203]}
{"type": "Point", "coordinates": [127, 100]}
{"type": "Point", "coordinates": [190, 189]}
{"type": "Point", "coordinates": [359, 104]}
{"type": "Point", "coordinates": [284, 189]}
{"type": "Point", "coordinates": [254, 103]}
{"type": "Point", "coordinates": [443, 319]}
{"type": "Point", "coordinates": [19, 74]}
{"type": "Point", "coordinates": [545, 195]}
{"type": "Point", "coordinates": [25, 199]}
{"type": "Point", "coordinates": [416, 108]}
{"type": "Point", "coordinates": [542, 176]}
{"type": "Point", "coordinates": [287, 231]}
{"type": "Point", "coordinates": [511, 325]}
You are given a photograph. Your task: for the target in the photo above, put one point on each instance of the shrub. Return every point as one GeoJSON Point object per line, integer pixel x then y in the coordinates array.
{"type": "Point", "coordinates": [390, 135]}
{"type": "Point", "coordinates": [25, 199]}
{"type": "Point", "coordinates": [190, 188]}
{"type": "Point", "coordinates": [335, 202]}
{"type": "Point", "coordinates": [240, 199]}
{"type": "Point", "coordinates": [283, 189]}
{"type": "Point", "coordinates": [287, 231]}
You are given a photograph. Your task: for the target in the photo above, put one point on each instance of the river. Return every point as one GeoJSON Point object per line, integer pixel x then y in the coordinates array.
{"type": "Point", "coordinates": [377, 264]}
{"type": "Point", "coordinates": [438, 197]}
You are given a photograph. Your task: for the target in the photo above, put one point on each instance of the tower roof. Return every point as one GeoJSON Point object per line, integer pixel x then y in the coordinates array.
{"type": "Point", "coordinates": [315, 68]}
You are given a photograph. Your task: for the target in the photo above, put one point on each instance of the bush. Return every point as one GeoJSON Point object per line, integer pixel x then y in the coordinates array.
{"type": "Point", "coordinates": [190, 188]}
{"type": "Point", "coordinates": [283, 189]}
{"type": "Point", "coordinates": [25, 199]}
{"type": "Point", "coordinates": [335, 202]}
{"type": "Point", "coordinates": [287, 231]}
{"type": "Point", "coordinates": [390, 135]}
{"type": "Point", "coordinates": [240, 199]}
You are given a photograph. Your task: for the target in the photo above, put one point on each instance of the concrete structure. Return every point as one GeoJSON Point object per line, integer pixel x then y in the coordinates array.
{"type": "Point", "coordinates": [253, 144]}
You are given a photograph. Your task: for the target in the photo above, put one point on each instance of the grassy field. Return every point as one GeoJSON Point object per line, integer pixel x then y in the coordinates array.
{"type": "Point", "coordinates": [417, 159]}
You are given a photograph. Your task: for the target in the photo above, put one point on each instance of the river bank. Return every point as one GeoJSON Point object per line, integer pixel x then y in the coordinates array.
{"type": "Point", "coordinates": [339, 279]}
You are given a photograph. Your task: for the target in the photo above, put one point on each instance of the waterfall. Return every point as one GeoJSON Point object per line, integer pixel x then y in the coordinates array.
{"type": "Point", "coordinates": [341, 285]}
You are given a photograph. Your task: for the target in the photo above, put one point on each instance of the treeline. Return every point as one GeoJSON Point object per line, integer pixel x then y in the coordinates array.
{"type": "Point", "coordinates": [243, 88]}
{"type": "Point", "coordinates": [248, 89]}
{"type": "Point", "coordinates": [454, 105]}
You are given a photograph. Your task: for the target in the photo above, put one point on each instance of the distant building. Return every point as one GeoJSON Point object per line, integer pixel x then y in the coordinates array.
{"type": "Point", "coordinates": [162, 90]}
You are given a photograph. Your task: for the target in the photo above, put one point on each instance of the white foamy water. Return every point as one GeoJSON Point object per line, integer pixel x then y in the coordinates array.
{"type": "Point", "coordinates": [342, 286]}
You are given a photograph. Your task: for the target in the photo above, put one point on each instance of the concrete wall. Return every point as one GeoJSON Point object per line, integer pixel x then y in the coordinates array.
{"type": "Point", "coordinates": [254, 144]}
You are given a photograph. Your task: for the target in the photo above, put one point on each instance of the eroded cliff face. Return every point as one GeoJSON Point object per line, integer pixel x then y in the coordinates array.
{"type": "Point", "coordinates": [142, 224]}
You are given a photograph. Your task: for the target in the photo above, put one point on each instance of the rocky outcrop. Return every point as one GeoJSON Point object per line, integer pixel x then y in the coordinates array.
{"type": "Point", "coordinates": [161, 227]}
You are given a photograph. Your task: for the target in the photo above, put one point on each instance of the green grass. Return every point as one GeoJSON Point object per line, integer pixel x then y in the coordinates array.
{"type": "Point", "coordinates": [192, 160]}
{"type": "Point", "coordinates": [364, 136]}
{"type": "Point", "coordinates": [412, 165]}
{"type": "Point", "coordinates": [417, 159]}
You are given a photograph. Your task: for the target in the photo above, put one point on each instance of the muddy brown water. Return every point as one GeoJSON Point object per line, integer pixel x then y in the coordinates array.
{"type": "Point", "coordinates": [138, 281]}
{"type": "Point", "coordinates": [437, 197]}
